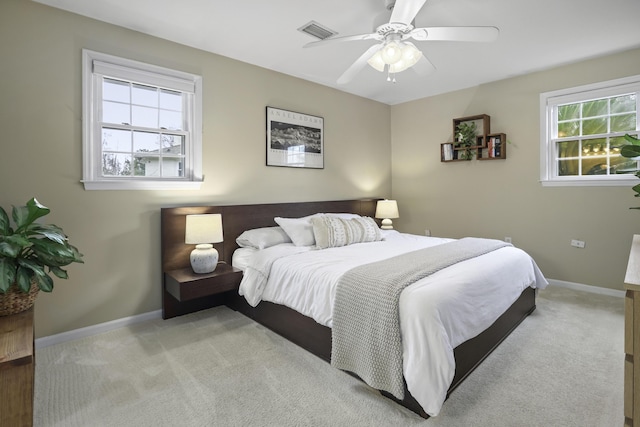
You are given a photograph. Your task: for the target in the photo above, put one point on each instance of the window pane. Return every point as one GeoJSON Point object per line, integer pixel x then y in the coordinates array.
{"type": "Point", "coordinates": [114, 112]}
{"type": "Point", "coordinates": [116, 164]}
{"type": "Point", "coordinates": [116, 140]}
{"type": "Point", "coordinates": [624, 165]}
{"type": "Point", "coordinates": [568, 129]}
{"type": "Point", "coordinates": [115, 90]}
{"type": "Point", "coordinates": [594, 166]}
{"type": "Point", "coordinates": [173, 144]}
{"type": "Point", "coordinates": [145, 95]}
{"type": "Point", "coordinates": [595, 147]}
{"type": "Point", "coordinates": [594, 126]}
{"type": "Point", "coordinates": [146, 142]}
{"type": "Point", "coordinates": [171, 120]}
{"type": "Point", "coordinates": [624, 122]}
{"type": "Point", "coordinates": [145, 117]}
{"type": "Point", "coordinates": [623, 104]}
{"type": "Point", "coordinates": [568, 167]}
{"type": "Point", "coordinates": [595, 108]}
{"type": "Point", "coordinates": [172, 167]}
{"type": "Point", "coordinates": [568, 149]}
{"type": "Point", "coordinates": [170, 100]}
{"type": "Point", "coordinates": [568, 112]}
{"type": "Point", "coordinates": [147, 166]}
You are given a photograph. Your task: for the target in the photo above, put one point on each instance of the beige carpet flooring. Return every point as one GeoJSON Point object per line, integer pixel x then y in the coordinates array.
{"type": "Point", "coordinates": [562, 367]}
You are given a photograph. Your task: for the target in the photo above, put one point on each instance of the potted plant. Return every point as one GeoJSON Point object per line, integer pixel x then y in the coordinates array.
{"type": "Point", "coordinates": [465, 139]}
{"type": "Point", "coordinates": [29, 253]}
{"type": "Point", "coordinates": [632, 150]}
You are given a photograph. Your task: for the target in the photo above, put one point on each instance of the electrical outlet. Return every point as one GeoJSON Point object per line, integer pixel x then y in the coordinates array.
{"type": "Point", "coordinates": [507, 239]}
{"type": "Point", "coordinates": [577, 243]}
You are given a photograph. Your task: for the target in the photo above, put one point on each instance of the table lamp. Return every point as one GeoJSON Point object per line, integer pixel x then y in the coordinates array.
{"type": "Point", "coordinates": [387, 209]}
{"type": "Point", "coordinates": [202, 231]}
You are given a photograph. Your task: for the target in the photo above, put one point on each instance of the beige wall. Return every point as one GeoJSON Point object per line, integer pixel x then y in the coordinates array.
{"type": "Point", "coordinates": [119, 231]}
{"type": "Point", "coordinates": [504, 197]}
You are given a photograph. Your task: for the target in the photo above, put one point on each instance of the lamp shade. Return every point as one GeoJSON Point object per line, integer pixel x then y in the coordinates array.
{"type": "Point", "coordinates": [206, 228]}
{"type": "Point", "coordinates": [410, 56]}
{"type": "Point", "coordinates": [391, 52]}
{"type": "Point", "coordinates": [376, 61]}
{"type": "Point", "coordinates": [387, 209]}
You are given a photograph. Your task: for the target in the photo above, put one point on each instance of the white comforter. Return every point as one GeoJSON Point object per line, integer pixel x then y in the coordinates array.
{"type": "Point", "coordinates": [437, 313]}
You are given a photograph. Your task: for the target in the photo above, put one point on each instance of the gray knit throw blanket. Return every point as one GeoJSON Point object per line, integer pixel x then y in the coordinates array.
{"type": "Point", "coordinates": [366, 323]}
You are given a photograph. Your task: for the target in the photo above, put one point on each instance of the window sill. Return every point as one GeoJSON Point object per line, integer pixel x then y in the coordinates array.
{"type": "Point", "coordinates": [623, 182]}
{"type": "Point", "coordinates": [142, 185]}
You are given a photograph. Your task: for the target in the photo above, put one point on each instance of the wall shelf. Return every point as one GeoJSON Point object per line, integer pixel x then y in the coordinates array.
{"type": "Point", "coordinates": [489, 146]}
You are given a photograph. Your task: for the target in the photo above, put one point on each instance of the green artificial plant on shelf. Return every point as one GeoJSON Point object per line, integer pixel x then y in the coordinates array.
{"type": "Point", "coordinates": [30, 251]}
{"type": "Point", "coordinates": [465, 139]}
{"type": "Point", "coordinates": [632, 150]}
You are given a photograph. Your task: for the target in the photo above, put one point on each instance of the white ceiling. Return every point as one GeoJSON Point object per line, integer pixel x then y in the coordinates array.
{"type": "Point", "coordinates": [534, 35]}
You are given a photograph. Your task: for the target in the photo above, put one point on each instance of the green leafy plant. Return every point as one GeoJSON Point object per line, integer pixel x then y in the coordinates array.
{"type": "Point", "coordinates": [466, 138]}
{"type": "Point", "coordinates": [30, 252]}
{"type": "Point", "coordinates": [632, 150]}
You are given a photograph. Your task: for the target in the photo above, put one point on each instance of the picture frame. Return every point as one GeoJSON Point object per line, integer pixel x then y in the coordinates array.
{"type": "Point", "coordinates": [294, 140]}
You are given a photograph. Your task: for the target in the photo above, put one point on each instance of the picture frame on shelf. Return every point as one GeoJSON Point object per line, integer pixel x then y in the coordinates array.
{"type": "Point", "coordinates": [447, 152]}
{"type": "Point", "coordinates": [294, 139]}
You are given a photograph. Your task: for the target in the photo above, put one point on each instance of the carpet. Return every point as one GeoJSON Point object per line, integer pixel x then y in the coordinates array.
{"type": "Point", "coordinates": [563, 366]}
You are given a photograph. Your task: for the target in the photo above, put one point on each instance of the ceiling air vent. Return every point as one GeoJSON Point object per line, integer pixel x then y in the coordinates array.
{"type": "Point", "coordinates": [316, 30]}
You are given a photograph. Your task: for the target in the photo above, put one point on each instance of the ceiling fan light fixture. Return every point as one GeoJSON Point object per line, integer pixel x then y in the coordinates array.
{"type": "Point", "coordinates": [391, 52]}
{"type": "Point", "coordinates": [398, 67]}
{"type": "Point", "coordinates": [376, 61]}
{"type": "Point", "coordinates": [410, 53]}
{"type": "Point", "coordinates": [410, 56]}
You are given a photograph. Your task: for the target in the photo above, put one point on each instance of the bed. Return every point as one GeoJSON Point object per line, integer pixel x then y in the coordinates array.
{"type": "Point", "coordinates": [312, 331]}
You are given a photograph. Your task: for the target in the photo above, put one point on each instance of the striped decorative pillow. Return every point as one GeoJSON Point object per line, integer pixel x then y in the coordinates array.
{"type": "Point", "coordinates": [331, 231]}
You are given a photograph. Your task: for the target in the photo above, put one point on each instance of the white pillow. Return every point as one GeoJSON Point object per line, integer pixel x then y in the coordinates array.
{"type": "Point", "coordinates": [299, 230]}
{"type": "Point", "coordinates": [331, 231]}
{"type": "Point", "coordinates": [342, 215]}
{"type": "Point", "coordinates": [261, 238]}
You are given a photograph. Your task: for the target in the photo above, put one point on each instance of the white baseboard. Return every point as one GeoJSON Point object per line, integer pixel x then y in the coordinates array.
{"type": "Point", "coordinates": [96, 329]}
{"type": "Point", "coordinates": [587, 288]}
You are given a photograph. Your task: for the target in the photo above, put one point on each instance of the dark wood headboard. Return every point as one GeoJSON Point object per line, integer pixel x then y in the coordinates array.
{"type": "Point", "coordinates": [235, 220]}
{"type": "Point", "coordinates": [238, 218]}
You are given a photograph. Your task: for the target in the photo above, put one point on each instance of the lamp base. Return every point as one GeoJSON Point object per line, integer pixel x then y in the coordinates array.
{"type": "Point", "coordinates": [387, 224]}
{"type": "Point", "coordinates": [204, 258]}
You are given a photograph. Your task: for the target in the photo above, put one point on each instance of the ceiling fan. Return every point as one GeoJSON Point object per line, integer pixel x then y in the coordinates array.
{"type": "Point", "coordinates": [394, 53]}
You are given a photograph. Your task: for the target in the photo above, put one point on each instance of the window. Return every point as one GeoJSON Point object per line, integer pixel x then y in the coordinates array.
{"type": "Point", "coordinates": [142, 125]}
{"type": "Point", "coordinates": [582, 130]}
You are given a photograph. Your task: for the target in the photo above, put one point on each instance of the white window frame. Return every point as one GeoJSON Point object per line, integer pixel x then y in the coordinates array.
{"type": "Point", "coordinates": [96, 66]}
{"type": "Point", "coordinates": [549, 102]}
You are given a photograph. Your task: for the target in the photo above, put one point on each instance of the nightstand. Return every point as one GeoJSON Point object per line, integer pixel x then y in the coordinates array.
{"type": "Point", "coordinates": [185, 285]}
{"type": "Point", "coordinates": [17, 364]}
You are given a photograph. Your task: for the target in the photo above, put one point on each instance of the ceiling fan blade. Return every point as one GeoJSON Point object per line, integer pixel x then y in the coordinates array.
{"type": "Point", "coordinates": [423, 66]}
{"type": "Point", "coordinates": [373, 36]}
{"type": "Point", "coordinates": [458, 34]}
{"type": "Point", "coordinates": [358, 65]}
{"type": "Point", "coordinates": [405, 11]}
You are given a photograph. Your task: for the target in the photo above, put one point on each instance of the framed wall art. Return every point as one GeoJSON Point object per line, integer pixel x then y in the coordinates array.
{"type": "Point", "coordinates": [294, 139]}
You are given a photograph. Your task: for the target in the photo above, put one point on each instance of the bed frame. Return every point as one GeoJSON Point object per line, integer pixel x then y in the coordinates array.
{"type": "Point", "coordinates": [292, 325]}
